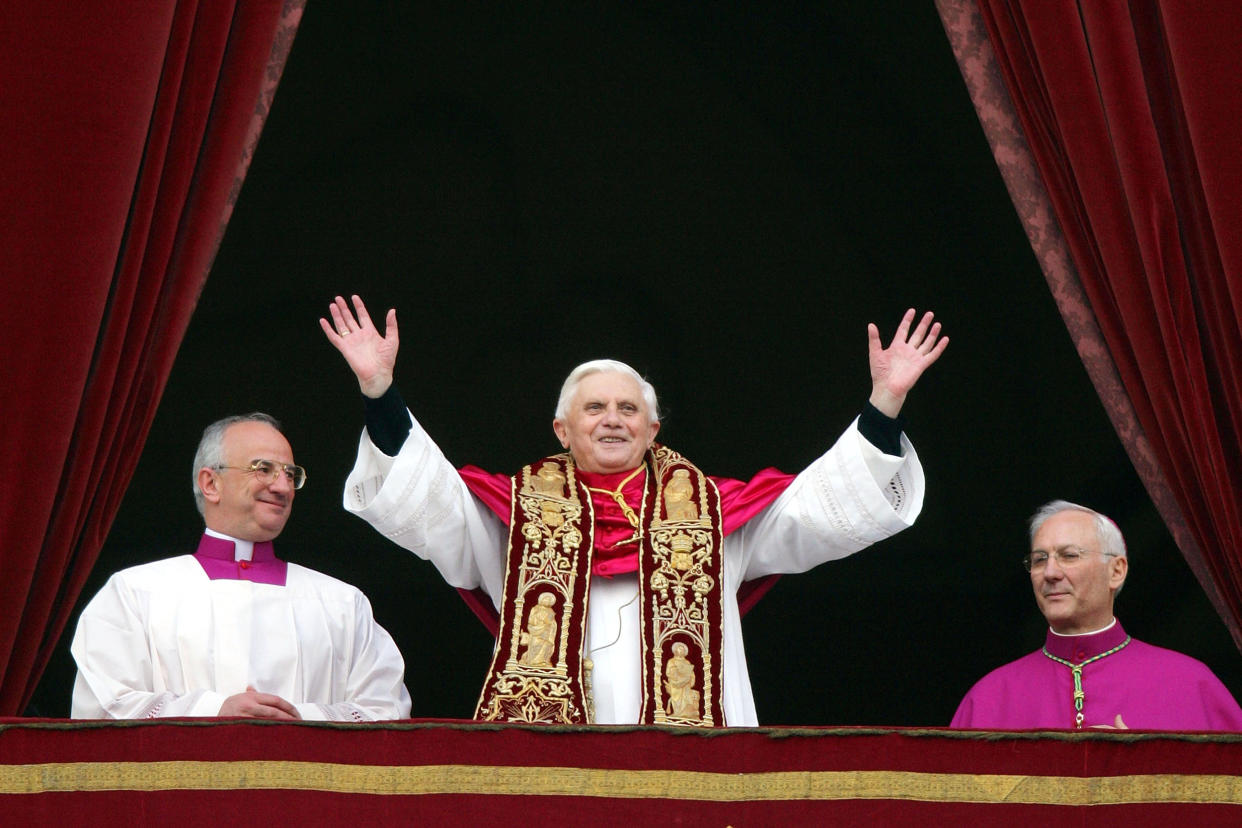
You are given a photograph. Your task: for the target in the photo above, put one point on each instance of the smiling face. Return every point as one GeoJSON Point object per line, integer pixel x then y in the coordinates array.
{"type": "Point", "coordinates": [237, 502]}
{"type": "Point", "coordinates": [1075, 599]}
{"type": "Point", "coordinates": [607, 426]}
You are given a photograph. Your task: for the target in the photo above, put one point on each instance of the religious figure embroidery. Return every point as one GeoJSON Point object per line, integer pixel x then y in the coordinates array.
{"type": "Point", "coordinates": [683, 699]}
{"type": "Point", "coordinates": [539, 672]}
{"type": "Point", "coordinates": [540, 635]}
{"type": "Point", "coordinates": [548, 481]}
{"type": "Point", "coordinates": [678, 505]}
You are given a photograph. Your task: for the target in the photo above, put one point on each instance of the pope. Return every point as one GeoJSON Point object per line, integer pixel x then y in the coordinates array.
{"type": "Point", "coordinates": [615, 570]}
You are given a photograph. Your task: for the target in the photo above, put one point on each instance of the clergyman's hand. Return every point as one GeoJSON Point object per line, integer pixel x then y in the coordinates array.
{"type": "Point", "coordinates": [371, 356]}
{"type": "Point", "coordinates": [895, 369]}
{"type": "Point", "coordinates": [1117, 724]}
{"type": "Point", "coordinates": [255, 705]}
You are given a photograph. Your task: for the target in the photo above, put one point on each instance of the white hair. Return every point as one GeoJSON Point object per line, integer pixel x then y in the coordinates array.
{"type": "Point", "coordinates": [210, 452]}
{"type": "Point", "coordinates": [1112, 543]}
{"type": "Point", "coordinates": [605, 366]}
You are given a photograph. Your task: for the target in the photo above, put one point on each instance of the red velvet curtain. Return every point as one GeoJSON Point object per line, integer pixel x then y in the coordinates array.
{"type": "Point", "coordinates": [1116, 127]}
{"type": "Point", "coordinates": [127, 127]}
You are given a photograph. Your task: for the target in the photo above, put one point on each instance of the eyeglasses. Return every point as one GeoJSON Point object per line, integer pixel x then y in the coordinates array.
{"type": "Point", "coordinates": [267, 470]}
{"type": "Point", "coordinates": [1068, 556]}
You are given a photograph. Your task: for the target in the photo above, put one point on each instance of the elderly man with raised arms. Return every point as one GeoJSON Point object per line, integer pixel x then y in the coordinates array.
{"type": "Point", "coordinates": [618, 549]}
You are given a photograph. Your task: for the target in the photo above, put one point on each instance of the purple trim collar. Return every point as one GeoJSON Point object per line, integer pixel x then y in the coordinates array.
{"type": "Point", "coordinates": [216, 556]}
{"type": "Point", "coordinates": [1078, 648]}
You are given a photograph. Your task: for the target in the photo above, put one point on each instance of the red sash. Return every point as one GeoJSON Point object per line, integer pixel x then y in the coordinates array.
{"type": "Point", "coordinates": [538, 672]}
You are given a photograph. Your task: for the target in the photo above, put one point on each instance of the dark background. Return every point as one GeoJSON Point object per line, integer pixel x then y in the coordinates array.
{"type": "Point", "coordinates": [722, 196]}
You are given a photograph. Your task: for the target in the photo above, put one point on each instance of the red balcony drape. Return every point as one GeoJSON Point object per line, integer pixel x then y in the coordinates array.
{"type": "Point", "coordinates": [260, 773]}
{"type": "Point", "coordinates": [127, 128]}
{"type": "Point", "coordinates": [1115, 125]}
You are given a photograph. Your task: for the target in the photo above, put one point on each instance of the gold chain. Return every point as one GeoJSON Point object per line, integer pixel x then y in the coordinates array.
{"type": "Point", "coordinates": [619, 498]}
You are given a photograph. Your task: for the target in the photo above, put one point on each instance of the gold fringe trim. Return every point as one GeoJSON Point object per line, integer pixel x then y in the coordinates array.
{"type": "Point", "coordinates": [628, 784]}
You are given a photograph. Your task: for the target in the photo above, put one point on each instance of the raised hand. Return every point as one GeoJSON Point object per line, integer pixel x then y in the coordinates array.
{"type": "Point", "coordinates": [255, 705]}
{"type": "Point", "coordinates": [371, 356]}
{"type": "Point", "coordinates": [896, 369]}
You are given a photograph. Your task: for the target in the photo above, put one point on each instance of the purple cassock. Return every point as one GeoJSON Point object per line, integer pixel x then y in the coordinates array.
{"type": "Point", "coordinates": [217, 557]}
{"type": "Point", "coordinates": [1150, 688]}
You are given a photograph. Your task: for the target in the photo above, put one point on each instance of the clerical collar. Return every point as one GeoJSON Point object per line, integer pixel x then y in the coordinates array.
{"type": "Point", "coordinates": [226, 558]}
{"type": "Point", "coordinates": [243, 550]}
{"type": "Point", "coordinates": [627, 480]}
{"type": "Point", "coordinates": [1077, 651]}
{"type": "Point", "coordinates": [1079, 648]}
{"type": "Point", "coordinates": [617, 498]}
{"type": "Point", "coordinates": [1093, 632]}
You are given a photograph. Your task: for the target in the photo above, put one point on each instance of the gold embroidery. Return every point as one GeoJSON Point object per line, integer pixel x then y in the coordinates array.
{"type": "Point", "coordinates": [549, 481]}
{"type": "Point", "coordinates": [678, 597]}
{"type": "Point", "coordinates": [677, 494]}
{"type": "Point", "coordinates": [588, 687]}
{"type": "Point", "coordinates": [552, 514]}
{"type": "Point", "coordinates": [681, 559]}
{"type": "Point", "coordinates": [677, 524]}
{"type": "Point", "coordinates": [680, 591]}
{"type": "Point", "coordinates": [665, 785]}
{"type": "Point", "coordinates": [683, 699]}
{"type": "Point", "coordinates": [536, 687]}
{"type": "Point", "coordinates": [540, 635]}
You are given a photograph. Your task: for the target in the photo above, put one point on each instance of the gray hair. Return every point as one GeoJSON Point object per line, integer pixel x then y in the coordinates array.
{"type": "Point", "coordinates": [210, 451]}
{"type": "Point", "coordinates": [605, 366]}
{"type": "Point", "coordinates": [1112, 543]}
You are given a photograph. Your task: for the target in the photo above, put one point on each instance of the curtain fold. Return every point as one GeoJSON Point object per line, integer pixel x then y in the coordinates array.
{"type": "Point", "coordinates": [1113, 124]}
{"type": "Point", "coordinates": [128, 128]}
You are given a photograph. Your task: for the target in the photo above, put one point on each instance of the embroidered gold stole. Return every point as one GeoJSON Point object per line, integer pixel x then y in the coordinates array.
{"type": "Point", "coordinates": [539, 672]}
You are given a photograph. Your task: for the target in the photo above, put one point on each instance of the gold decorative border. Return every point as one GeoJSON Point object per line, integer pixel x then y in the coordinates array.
{"type": "Point", "coordinates": [630, 784]}
{"type": "Point", "coordinates": [547, 546]}
{"type": "Point", "coordinates": [682, 599]}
